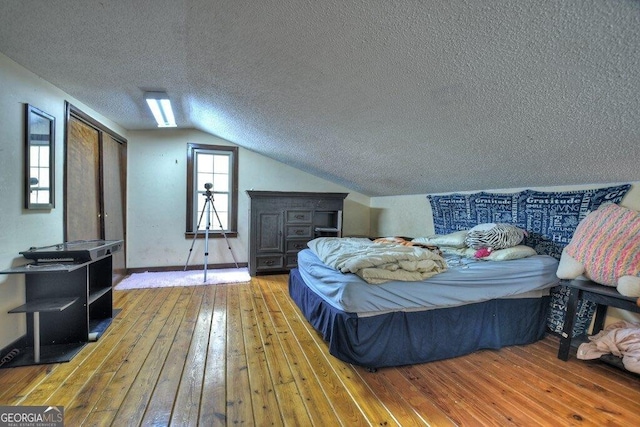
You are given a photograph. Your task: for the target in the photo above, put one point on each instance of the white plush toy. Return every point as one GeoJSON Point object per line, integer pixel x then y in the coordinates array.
{"type": "Point", "coordinates": [606, 249]}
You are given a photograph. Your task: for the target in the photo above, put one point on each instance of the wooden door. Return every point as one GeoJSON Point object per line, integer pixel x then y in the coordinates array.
{"type": "Point", "coordinates": [82, 182]}
{"type": "Point", "coordinates": [95, 184]}
{"type": "Point", "coordinates": [114, 190]}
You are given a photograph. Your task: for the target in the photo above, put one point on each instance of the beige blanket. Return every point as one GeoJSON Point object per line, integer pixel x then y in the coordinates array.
{"type": "Point", "coordinates": [379, 262]}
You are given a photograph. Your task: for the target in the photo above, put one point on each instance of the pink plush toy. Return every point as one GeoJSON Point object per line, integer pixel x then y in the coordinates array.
{"type": "Point", "coordinates": [482, 252]}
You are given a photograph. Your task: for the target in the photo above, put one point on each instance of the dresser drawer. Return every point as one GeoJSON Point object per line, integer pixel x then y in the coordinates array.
{"type": "Point", "coordinates": [272, 262]}
{"type": "Point", "coordinates": [296, 245]}
{"type": "Point", "coordinates": [292, 260]}
{"type": "Point", "coordinates": [299, 231]}
{"type": "Point", "coordinates": [299, 216]}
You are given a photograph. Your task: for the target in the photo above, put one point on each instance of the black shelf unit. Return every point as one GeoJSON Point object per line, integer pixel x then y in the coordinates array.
{"type": "Point", "coordinates": [67, 304]}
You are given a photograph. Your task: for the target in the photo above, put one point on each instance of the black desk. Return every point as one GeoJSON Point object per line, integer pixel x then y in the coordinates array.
{"type": "Point", "coordinates": [603, 296]}
{"type": "Point", "coordinates": [67, 305]}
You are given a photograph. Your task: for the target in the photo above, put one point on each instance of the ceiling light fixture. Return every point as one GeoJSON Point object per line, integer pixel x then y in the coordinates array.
{"type": "Point", "coordinates": [160, 106]}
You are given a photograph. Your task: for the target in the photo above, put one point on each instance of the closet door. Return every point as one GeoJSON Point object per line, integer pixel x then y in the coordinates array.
{"type": "Point", "coordinates": [95, 184]}
{"type": "Point", "coordinates": [82, 182]}
{"type": "Point", "coordinates": [114, 190]}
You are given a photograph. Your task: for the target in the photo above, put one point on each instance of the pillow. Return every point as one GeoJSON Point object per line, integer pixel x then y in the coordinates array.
{"type": "Point", "coordinates": [451, 240]}
{"type": "Point", "coordinates": [515, 252]}
{"type": "Point", "coordinates": [494, 236]}
{"type": "Point", "coordinates": [450, 250]}
{"type": "Point", "coordinates": [606, 244]}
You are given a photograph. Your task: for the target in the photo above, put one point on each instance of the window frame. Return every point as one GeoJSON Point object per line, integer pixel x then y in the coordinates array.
{"type": "Point", "coordinates": [191, 224]}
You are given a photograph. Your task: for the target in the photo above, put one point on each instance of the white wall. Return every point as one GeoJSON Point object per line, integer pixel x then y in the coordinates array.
{"type": "Point", "coordinates": [156, 208]}
{"type": "Point", "coordinates": [21, 229]}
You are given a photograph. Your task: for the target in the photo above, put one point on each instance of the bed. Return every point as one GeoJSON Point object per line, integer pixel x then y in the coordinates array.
{"type": "Point", "coordinates": [470, 306]}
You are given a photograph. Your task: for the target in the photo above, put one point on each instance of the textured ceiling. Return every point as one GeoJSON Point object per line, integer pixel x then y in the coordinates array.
{"type": "Point", "coordinates": [383, 97]}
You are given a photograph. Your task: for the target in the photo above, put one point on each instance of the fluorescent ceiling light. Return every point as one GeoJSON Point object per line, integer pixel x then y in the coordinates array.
{"type": "Point", "coordinates": [160, 106]}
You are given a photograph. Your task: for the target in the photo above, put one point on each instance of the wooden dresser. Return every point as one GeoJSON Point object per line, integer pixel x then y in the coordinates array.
{"type": "Point", "coordinates": [281, 224]}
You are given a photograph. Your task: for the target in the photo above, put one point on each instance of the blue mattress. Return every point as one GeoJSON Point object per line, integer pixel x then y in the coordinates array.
{"type": "Point", "coordinates": [409, 335]}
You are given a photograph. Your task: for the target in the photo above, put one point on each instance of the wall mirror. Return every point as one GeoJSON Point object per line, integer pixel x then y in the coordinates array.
{"type": "Point", "coordinates": [39, 156]}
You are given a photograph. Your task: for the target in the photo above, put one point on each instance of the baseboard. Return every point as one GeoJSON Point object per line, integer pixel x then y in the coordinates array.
{"type": "Point", "coordinates": [181, 267]}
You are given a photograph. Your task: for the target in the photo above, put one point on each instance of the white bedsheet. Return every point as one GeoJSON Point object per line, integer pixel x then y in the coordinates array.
{"type": "Point", "coordinates": [466, 281]}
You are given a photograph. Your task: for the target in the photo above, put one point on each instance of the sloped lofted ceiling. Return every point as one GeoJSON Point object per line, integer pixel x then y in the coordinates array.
{"type": "Point", "coordinates": [383, 97]}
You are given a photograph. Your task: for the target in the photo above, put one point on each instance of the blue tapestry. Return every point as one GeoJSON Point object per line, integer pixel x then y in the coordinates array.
{"type": "Point", "coordinates": [450, 213]}
{"type": "Point", "coordinates": [495, 207]}
{"type": "Point", "coordinates": [454, 212]}
{"type": "Point", "coordinates": [550, 218]}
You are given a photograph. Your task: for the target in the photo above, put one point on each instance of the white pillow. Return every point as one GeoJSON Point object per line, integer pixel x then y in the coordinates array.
{"type": "Point", "coordinates": [452, 240]}
{"type": "Point", "coordinates": [515, 252]}
{"type": "Point", "coordinates": [450, 250]}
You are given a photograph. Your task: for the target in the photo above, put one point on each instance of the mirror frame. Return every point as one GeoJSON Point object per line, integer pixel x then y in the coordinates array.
{"type": "Point", "coordinates": [47, 138]}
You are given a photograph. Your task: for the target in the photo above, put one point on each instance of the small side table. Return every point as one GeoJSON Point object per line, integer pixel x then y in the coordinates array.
{"type": "Point", "coordinates": [603, 296]}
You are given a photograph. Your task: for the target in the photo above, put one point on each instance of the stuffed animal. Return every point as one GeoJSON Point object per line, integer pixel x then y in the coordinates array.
{"type": "Point", "coordinates": [482, 252]}
{"type": "Point", "coordinates": [606, 249]}
{"type": "Point", "coordinates": [488, 237]}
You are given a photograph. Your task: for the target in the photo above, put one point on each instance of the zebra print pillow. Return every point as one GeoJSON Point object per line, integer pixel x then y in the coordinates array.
{"type": "Point", "coordinates": [494, 236]}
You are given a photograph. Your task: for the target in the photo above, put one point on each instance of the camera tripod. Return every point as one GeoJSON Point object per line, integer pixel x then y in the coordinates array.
{"type": "Point", "coordinates": [208, 206]}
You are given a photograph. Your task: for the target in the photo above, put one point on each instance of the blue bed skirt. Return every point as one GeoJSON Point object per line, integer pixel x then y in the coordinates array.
{"type": "Point", "coordinates": [404, 338]}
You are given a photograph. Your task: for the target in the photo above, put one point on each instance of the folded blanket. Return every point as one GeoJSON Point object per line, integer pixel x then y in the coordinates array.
{"type": "Point", "coordinates": [377, 262]}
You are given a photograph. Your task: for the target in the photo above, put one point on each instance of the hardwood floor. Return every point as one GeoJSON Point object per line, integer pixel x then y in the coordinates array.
{"type": "Point", "coordinates": [243, 354]}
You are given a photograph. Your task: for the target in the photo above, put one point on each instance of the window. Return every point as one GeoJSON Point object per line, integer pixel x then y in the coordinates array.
{"type": "Point", "coordinates": [212, 168]}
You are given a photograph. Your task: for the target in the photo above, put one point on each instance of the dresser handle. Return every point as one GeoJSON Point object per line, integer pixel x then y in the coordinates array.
{"type": "Point", "coordinates": [269, 262]}
{"type": "Point", "coordinates": [299, 216]}
{"type": "Point", "coordinates": [298, 246]}
{"type": "Point", "coordinates": [299, 232]}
